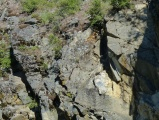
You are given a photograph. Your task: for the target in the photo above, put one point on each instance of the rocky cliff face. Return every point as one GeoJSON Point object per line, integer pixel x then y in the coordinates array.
{"type": "Point", "coordinates": [98, 77]}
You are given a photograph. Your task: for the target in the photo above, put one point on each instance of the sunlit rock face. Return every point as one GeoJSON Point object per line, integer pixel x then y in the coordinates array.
{"type": "Point", "coordinates": [115, 77]}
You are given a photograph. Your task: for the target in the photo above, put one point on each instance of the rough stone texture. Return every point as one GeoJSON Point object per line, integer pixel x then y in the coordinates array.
{"type": "Point", "coordinates": [78, 78]}
{"type": "Point", "coordinates": [78, 86]}
{"type": "Point", "coordinates": [85, 80]}
{"type": "Point", "coordinates": [135, 57]}
{"type": "Point", "coordinates": [13, 105]}
{"type": "Point", "coordinates": [102, 82]}
{"type": "Point", "coordinates": [23, 38]}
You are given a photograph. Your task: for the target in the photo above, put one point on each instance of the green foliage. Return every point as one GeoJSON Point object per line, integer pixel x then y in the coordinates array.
{"type": "Point", "coordinates": [35, 15]}
{"type": "Point", "coordinates": [46, 17]}
{"type": "Point", "coordinates": [119, 4]}
{"type": "Point", "coordinates": [31, 5]}
{"type": "Point", "coordinates": [68, 7]}
{"type": "Point", "coordinates": [100, 7]}
{"type": "Point", "coordinates": [95, 11]}
{"type": "Point", "coordinates": [50, 11]}
{"type": "Point", "coordinates": [22, 47]}
{"type": "Point", "coordinates": [34, 48]}
{"type": "Point", "coordinates": [27, 48]}
{"type": "Point", "coordinates": [4, 56]}
{"type": "Point", "coordinates": [44, 66]}
{"type": "Point", "coordinates": [68, 94]}
{"type": "Point", "coordinates": [5, 62]}
{"type": "Point", "coordinates": [32, 104]}
{"type": "Point", "coordinates": [132, 6]}
{"type": "Point", "coordinates": [64, 6]}
{"type": "Point", "coordinates": [106, 6]}
{"type": "Point", "coordinates": [57, 45]}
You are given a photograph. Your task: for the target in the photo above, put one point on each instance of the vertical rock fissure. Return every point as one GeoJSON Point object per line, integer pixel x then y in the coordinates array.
{"type": "Point", "coordinates": [104, 49]}
{"type": "Point", "coordinates": [18, 71]}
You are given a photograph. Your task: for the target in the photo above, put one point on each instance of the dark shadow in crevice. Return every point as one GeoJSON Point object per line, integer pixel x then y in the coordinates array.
{"type": "Point", "coordinates": [146, 82]}
{"type": "Point", "coordinates": [57, 79]}
{"type": "Point", "coordinates": [62, 115]}
{"type": "Point", "coordinates": [79, 111]}
{"type": "Point", "coordinates": [56, 101]}
{"type": "Point", "coordinates": [74, 117]}
{"type": "Point", "coordinates": [104, 59]}
{"type": "Point", "coordinates": [17, 70]}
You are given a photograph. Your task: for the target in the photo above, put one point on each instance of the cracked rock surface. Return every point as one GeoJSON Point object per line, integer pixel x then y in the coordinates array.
{"type": "Point", "coordinates": [112, 77]}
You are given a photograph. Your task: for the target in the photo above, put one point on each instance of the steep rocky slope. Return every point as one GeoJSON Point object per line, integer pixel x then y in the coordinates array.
{"type": "Point", "coordinates": [107, 75]}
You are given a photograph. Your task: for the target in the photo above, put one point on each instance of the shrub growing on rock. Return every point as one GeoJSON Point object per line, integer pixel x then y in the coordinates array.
{"type": "Point", "coordinates": [29, 5]}
{"type": "Point", "coordinates": [33, 104]}
{"type": "Point", "coordinates": [119, 4]}
{"type": "Point", "coordinates": [68, 6]}
{"type": "Point", "coordinates": [57, 45]}
{"type": "Point", "coordinates": [5, 60]}
{"type": "Point", "coordinates": [95, 11]}
{"type": "Point", "coordinates": [46, 17]}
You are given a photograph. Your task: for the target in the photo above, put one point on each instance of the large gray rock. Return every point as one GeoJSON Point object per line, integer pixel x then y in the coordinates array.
{"type": "Point", "coordinates": [77, 82]}
{"type": "Point", "coordinates": [86, 82]}
{"type": "Point", "coordinates": [135, 54]}
{"type": "Point", "coordinates": [123, 31]}
{"type": "Point", "coordinates": [90, 99]}
{"type": "Point", "coordinates": [23, 96]}
{"type": "Point", "coordinates": [28, 33]}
